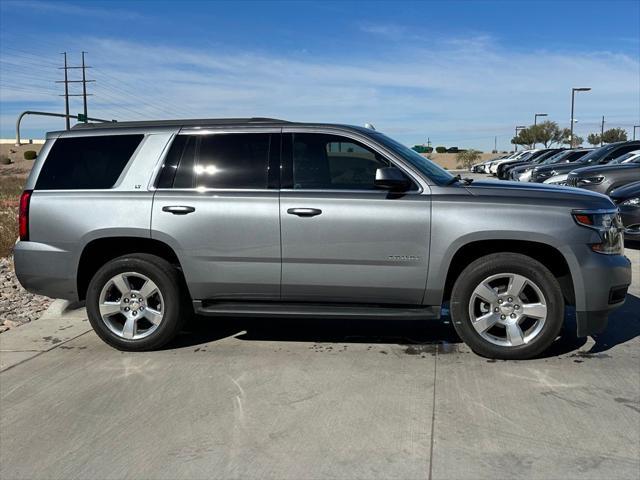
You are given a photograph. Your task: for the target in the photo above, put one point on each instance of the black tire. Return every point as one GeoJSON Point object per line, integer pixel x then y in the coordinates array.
{"type": "Point", "coordinates": [511, 263]}
{"type": "Point", "coordinates": [168, 281]}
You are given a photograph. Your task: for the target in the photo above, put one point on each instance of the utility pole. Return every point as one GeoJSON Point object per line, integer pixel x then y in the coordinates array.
{"type": "Point", "coordinates": [84, 93]}
{"type": "Point", "coordinates": [84, 85]}
{"type": "Point", "coordinates": [66, 91]}
{"type": "Point", "coordinates": [601, 130]}
{"type": "Point", "coordinates": [495, 144]}
{"type": "Point", "coordinates": [429, 141]}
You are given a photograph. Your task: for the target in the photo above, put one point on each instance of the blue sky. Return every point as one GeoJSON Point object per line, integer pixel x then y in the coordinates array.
{"type": "Point", "coordinates": [458, 72]}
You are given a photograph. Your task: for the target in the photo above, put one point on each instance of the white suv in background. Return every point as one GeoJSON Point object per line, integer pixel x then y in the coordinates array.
{"type": "Point", "coordinates": [493, 168]}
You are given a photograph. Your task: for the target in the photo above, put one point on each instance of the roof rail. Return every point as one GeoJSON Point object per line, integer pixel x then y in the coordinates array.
{"type": "Point", "coordinates": [179, 123]}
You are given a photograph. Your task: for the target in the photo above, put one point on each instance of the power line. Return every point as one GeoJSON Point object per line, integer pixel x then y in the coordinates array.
{"type": "Point", "coordinates": [122, 84]}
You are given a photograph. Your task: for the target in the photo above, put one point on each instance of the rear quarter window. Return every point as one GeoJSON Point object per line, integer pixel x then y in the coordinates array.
{"type": "Point", "coordinates": [86, 162]}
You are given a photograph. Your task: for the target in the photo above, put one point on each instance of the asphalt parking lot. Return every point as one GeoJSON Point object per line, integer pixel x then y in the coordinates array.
{"type": "Point", "coordinates": [238, 398]}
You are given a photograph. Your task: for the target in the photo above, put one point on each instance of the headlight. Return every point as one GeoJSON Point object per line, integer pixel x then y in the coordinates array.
{"type": "Point", "coordinates": [591, 180]}
{"type": "Point", "coordinates": [608, 225]}
{"type": "Point", "coordinates": [632, 202]}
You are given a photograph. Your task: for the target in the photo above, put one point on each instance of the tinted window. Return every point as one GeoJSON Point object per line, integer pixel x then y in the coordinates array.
{"type": "Point", "coordinates": [220, 161]}
{"type": "Point", "coordinates": [86, 162]}
{"type": "Point", "coordinates": [331, 162]}
{"type": "Point", "coordinates": [171, 161]}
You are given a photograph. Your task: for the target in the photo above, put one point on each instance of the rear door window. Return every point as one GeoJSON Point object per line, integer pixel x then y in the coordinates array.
{"type": "Point", "coordinates": [86, 162]}
{"type": "Point", "coordinates": [223, 161]}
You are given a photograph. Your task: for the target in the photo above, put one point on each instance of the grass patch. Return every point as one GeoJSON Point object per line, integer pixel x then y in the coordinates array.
{"type": "Point", "coordinates": [10, 190]}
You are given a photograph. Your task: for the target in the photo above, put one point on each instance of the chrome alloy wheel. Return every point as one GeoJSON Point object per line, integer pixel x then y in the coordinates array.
{"type": "Point", "coordinates": [131, 305]}
{"type": "Point", "coordinates": [508, 309]}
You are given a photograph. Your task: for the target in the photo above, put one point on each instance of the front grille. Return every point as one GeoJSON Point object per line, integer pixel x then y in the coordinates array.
{"type": "Point", "coordinates": [572, 182]}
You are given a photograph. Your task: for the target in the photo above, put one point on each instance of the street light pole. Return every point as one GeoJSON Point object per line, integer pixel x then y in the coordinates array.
{"type": "Point", "coordinates": [518, 128]}
{"type": "Point", "coordinates": [535, 117]}
{"type": "Point", "coordinates": [573, 94]}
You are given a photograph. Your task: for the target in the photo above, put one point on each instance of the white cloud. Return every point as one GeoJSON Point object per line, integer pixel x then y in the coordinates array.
{"type": "Point", "coordinates": [460, 91]}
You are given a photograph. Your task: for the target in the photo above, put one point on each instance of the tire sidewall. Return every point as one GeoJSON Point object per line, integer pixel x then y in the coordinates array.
{"type": "Point", "coordinates": [167, 283]}
{"type": "Point", "coordinates": [484, 267]}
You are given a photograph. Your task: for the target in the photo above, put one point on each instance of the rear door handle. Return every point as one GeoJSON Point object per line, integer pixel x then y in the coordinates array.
{"type": "Point", "coordinates": [178, 209]}
{"type": "Point", "coordinates": [304, 212]}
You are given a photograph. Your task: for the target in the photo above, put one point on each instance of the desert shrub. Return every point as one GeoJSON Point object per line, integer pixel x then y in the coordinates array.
{"type": "Point", "coordinates": [5, 160]}
{"type": "Point", "coordinates": [30, 155]}
{"type": "Point", "coordinates": [441, 149]}
{"type": "Point", "coordinates": [10, 189]}
{"type": "Point", "coordinates": [467, 158]}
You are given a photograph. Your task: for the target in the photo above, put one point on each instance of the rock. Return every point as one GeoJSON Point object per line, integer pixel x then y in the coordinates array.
{"type": "Point", "coordinates": [17, 306]}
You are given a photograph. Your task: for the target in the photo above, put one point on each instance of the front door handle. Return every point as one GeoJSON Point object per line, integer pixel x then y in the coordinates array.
{"type": "Point", "coordinates": [178, 209]}
{"type": "Point", "coordinates": [304, 212]}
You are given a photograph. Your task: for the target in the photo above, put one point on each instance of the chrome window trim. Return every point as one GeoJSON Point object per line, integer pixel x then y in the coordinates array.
{"type": "Point", "coordinates": [423, 185]}
{"type": "Point", "coordinates": [206, 190]}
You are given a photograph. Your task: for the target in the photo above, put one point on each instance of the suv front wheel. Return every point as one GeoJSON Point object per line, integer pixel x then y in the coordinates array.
{"type": "Point", "coordinates": [134, 302]}
{"type": "Point", "coordinates": [507, 306]}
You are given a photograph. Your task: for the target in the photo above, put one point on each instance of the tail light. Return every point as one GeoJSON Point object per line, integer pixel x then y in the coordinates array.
{"type": "Point", "coordinates": [23, 215]}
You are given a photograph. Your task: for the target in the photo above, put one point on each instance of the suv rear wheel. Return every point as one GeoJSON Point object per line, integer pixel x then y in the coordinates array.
{"type": "Point", "coordinates": [134, 302]}
{"type": "Point", "coordinates": [507, 306]}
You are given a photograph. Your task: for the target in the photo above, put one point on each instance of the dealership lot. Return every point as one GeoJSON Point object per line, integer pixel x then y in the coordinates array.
{"type": "Point", "coordinates": [238, 398]}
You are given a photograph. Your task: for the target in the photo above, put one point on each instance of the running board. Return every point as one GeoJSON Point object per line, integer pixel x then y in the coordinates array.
{"type": "Point", "coordinates": [293, 309]}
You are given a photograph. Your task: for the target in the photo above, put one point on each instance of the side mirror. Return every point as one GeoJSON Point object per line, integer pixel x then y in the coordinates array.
{"type": "Point", "coordinates": [390, 178]}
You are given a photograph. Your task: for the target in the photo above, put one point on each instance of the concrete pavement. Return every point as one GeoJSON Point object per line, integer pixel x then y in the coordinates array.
{"type": "Point", "coordinates": [238, 398]}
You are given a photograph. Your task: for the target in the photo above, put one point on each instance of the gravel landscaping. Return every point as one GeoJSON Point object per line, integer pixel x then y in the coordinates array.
{"type": "Point", "coordinates": [17, 306]}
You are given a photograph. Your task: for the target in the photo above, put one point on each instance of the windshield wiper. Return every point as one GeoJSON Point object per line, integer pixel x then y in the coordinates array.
{"type": "Point", "coordinates": [458, 178]}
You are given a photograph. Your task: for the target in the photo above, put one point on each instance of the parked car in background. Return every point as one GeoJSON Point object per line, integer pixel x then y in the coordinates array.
{"type": "Point", "coordinates": [627, 199]}
{"type": "Point", "coordinates": [560, 179]}
{"type": "Point", "coordinates": [626, 158]}
{"type": "Point", "coordinates": [481, 167]}
{"type": "Point", "coordinates": [604, 178]}
{"type": "Point", "coordinates": [523, 173]}
{"type": "Point", "coordinates": [596, 157]}
{"type": "Point", "coordinates": [504, 170]}
{"type": "Point", "coordinates": [148, 222]}
{"type": "Point", "coordinates": [523, 155]}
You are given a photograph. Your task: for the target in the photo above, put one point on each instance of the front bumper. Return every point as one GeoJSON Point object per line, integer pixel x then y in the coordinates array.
{"type": "Point", "coordinates": [600, 284]}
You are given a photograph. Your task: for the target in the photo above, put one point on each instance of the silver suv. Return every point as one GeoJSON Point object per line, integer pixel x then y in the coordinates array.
{"type": "Point", "coordinates": [149, 222]}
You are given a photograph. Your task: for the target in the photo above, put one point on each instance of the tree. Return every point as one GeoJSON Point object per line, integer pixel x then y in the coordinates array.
{"type": "Point", "coordinates": [547, 133]}
{"type": "Point", "coordinates": [466, 158]}
{"type": "Point", "coordinates": [614, 135]}
{"type": "Point", "coordinates": [594, 139]}
{"type": "Point", "coordinates": [441, 149]}
{"type": "Point", "coordinates": [566, 138]}
{"type": "Point", "coordinates": [525, 137]}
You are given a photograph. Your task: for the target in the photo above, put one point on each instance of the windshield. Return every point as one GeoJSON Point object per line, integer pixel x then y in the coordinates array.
{"type": "Point", "coordinates": [623, 158]}
{"type": "Point", "coordinates": [422, 164]}
{"type": "Point", "coordinates": [554, 158]}
{"type": "Point", "coordinates": [596, 155]}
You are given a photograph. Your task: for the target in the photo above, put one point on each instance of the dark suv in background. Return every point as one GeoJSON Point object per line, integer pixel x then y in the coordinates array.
{"type": "Point", "coordinates": [596, 157]}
